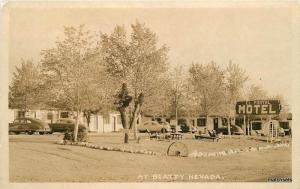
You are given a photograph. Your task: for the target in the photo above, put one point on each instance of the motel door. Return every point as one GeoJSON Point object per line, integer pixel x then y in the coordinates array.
{"type": "Point", "coordinates": [114, 123]}
{"type": "Point", "coordinates": [272, 128]}
{"type": "Point", "coordinates": [216, 124]}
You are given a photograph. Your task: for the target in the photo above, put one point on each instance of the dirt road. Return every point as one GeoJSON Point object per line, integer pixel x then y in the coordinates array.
{"type": "Point", "coordinates": [37, 159]}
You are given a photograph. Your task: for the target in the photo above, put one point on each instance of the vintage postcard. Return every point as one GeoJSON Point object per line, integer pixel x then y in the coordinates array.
{"type": "Point", "coordinates": [150, 94]}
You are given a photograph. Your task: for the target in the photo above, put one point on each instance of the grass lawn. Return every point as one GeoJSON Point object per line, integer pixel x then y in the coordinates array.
{"type": "Point", "coordinates": [116, 140]}
{"type": "Point", "coordinates": [35, 158]}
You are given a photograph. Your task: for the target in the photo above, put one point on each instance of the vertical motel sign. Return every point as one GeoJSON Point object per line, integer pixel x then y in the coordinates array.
{"type": "Point", "coordinates": [258, 107]}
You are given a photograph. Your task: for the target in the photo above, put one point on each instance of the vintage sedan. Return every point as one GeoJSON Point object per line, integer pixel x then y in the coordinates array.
{"type": "Point", "coordinates": [234, 130]}
{"type": "Point", "coordinates": [153, 127]}
{"type": "Point", "coordinates": [29, 126]}
{"type": "Point", "coordinates": [65, 125]}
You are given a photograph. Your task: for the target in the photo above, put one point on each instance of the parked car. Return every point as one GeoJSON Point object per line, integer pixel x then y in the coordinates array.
{"type": "Point", "coordinates": [186, 126]}
{"type": "Point", "coordinates": [166, 125]}
{"type": "Point", "coordinates": [234, 130]}
{"type": "Point", "coordinates": [29, 126]}
{"type": "Point", "coordinates": [65, 124]}
{"type": "Point", "coordinates": [152, 127]}
{"type": "Point", "coordinates": [173, 128]}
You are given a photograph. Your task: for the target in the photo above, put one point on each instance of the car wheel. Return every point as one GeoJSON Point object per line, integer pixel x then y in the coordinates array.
{"type": "Point", "coordinates": [41, 133]}
{"type": "Point", "coordinates": [30, 132]}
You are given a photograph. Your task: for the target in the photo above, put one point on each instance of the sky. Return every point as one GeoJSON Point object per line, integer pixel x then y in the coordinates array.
{"type": "Point", "coordinates": [258, 39]}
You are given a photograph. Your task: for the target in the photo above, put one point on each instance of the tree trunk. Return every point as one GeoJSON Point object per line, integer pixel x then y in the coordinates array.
{"type": "Point", "coordinates": [228, 126]}
{"type": "Point", "coordinates": [88, 118]}
{"type": "Point", "coordinates": [244, 125]}
{"type": "Point", "coordinates": [124, 118]}
{"type": "Point", "coordinates": [76, 126]}
{"type": "Point", "coordinates": [134, 126]}
{"type": "Point", "coordinates": [136, 112]}
{"type": "Point", "coordinates": [134, 120]}
{"type": "Point", "coordinates": [176, 117]}
{"type": "Point", "coordinates": [206, 122]}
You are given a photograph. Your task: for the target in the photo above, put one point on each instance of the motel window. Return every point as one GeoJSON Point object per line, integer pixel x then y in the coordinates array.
{"type": "Point", "coordinates": [224, 121]}
{"type": "Point", "coordinates": [284, 125]}
{"type": "Point", "coordinates": [21, 114]}
{"type": "Point", "coordinates": [201, 122]}
{"type": "Point", "coordinates": [64, 114]}
{"type": "Point", "coordinates": [49, 115]}
{"type": "Point", "coordinates": [256, 125]}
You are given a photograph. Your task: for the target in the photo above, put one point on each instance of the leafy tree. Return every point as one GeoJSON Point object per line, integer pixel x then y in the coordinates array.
{"type": "Point", "coordinates": [285, 107]}
{"type": "Point", "coordinates": [24, 90]}
{"type": "Point", "coordinates": [235, 80]}
{"type": "Point", "coordinates": [71, 71]}
{"type": "Point", "coordinates": [256, 92]}
{"type": "Point", "coordinates": [177, 91]}
{"type": "Point", "coordinates": [207, 82]}
{"type": "Point", "coordinates": [136, 62]}
{"type": "Point", "coordinates": [158, 103]}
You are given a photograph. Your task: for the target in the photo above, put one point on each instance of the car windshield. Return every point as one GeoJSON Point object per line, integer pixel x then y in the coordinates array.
{"type": "Point", "coordinates": [17, 121]}
{"type": "Point", "coordinates": [34, 121]}
{"type": "Point", "coordinates": [65, 121]}
{"type": "Point", "coordinates": [151, 123]}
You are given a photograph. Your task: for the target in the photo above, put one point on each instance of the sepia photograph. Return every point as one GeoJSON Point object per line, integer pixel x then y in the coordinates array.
{"type": "Point", "coordinates": [150, 93]}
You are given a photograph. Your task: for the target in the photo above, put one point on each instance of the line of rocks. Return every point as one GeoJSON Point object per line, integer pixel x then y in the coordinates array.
{"type": "Point", "coordinates": [196, 154]}
{"type": "Point", "coordinates": [107, 148]}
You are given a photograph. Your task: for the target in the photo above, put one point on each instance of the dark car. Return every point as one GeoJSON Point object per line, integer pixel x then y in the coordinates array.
{"type": "Point", "coordinates": [66, 125]}
{"type": "Point", "coordinates": [234, 130]}
{"type": "Point", "coordinates": [173, 128]}
{"type": "Point", "coordinates": [186, 126]}
{"type": "Point", "coordinates": [29, 126]}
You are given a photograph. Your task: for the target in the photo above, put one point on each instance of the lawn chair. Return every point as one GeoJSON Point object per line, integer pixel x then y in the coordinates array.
{"type": "Point", "coordinates": [212, 136]}
{"type": "Point", "coordinates": [259, 133]}
{"type": "Point", "coordinates": [154, 135]}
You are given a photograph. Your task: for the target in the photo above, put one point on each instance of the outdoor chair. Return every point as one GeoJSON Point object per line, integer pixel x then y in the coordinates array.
{"type": "Point", "coordinates": [259, 133]}
{"type": "Point", "coordinates": [212, 136]}
{"type": "Point", "coordinates": [152, 134]}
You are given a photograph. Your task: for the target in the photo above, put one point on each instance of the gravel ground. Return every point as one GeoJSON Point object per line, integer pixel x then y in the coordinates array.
{"type": "Point", "coordinates": [37, 159]}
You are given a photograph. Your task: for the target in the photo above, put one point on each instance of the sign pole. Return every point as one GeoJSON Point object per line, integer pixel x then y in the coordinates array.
{"type": "Point", "coordinates": [244, 124]}
{"type": "Point", "coordinates": [248, 126]}
{"type": "Point", "coordinates": [272, 128]}
{"type": "Point", "coordinates": [259, 107]}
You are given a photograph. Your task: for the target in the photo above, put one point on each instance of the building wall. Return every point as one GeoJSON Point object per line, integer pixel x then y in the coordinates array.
{"type": "Point", "coordinates": [97, 122]}
{"type": "Point", "coordinates": [265, 126]}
